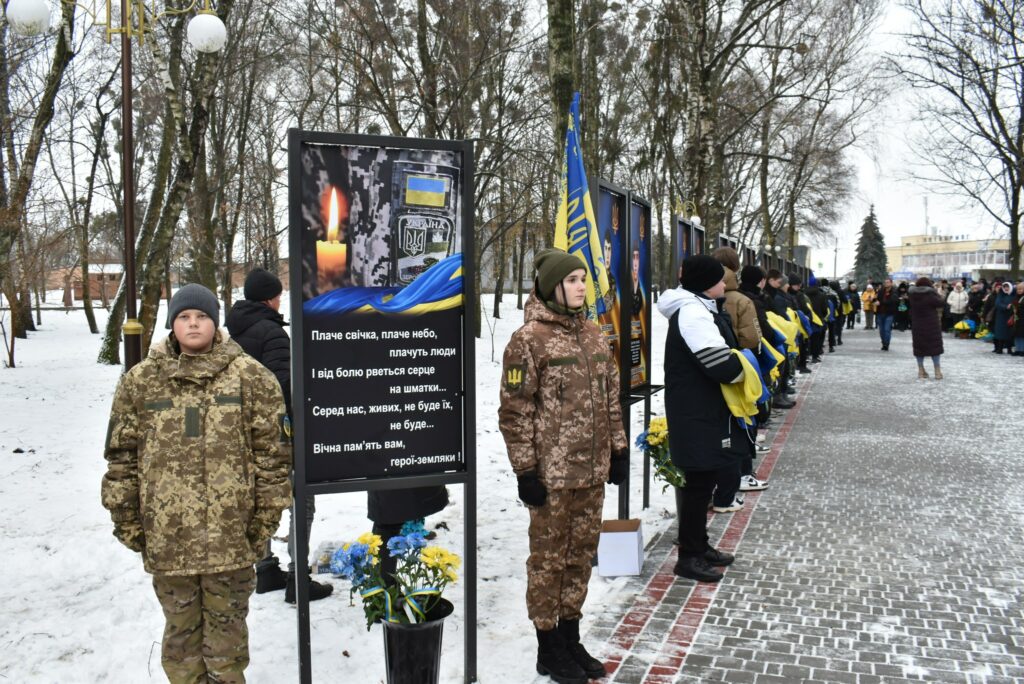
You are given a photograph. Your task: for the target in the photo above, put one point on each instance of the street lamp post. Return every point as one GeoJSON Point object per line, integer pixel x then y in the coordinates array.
{"type": "Point", "coordinates": [132, 329]}
{"type": "Point", "coordinates": [206, 33]}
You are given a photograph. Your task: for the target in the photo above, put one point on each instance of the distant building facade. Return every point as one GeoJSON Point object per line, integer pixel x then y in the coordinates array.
{"type": "Point", "coordinates": [945, 256]}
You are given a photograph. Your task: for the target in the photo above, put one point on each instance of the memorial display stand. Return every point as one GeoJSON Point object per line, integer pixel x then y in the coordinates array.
{"type": "Point", "coordinates": [411, 206]}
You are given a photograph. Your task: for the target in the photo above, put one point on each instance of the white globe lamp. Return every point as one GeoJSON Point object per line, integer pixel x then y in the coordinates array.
{"type": "Point", "coordinates": [28, 17]}
{"type": "Point", "coordinates": [206, 32]}
{"type": "Point", "coordinates": [695, 220]}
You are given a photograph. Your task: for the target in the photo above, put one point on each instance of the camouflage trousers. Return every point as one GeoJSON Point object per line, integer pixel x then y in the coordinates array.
{"type": "Point", "coordinates": [206, 638]}
{"type": "Point", "coordinates": [563, 541]}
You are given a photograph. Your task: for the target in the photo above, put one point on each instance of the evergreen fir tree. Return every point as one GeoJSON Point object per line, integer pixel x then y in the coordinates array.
{"type": "Point", "coordinates": [870, 263]}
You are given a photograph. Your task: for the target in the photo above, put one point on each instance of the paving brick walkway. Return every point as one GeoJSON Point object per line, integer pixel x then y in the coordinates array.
{"type": "Point", "coordinates": [888, 548]}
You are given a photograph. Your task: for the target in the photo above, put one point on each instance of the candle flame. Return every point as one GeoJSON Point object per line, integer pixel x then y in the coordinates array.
{"type": "Point", "coordinates": [333, 217]}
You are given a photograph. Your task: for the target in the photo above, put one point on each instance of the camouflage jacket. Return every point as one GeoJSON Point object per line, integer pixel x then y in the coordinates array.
{"type": "Point", "coordinates": [198, 453]}
{"type": "Point", "coordinates": [560, 410]}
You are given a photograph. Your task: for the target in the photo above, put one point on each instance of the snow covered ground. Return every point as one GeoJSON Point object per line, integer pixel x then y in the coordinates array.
{"type": "Point", "coordinates": [76, 606]}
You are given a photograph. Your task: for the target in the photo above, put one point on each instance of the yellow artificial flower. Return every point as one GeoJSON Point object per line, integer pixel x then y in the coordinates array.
{"type": "Point", "coordinates": [373, 541]}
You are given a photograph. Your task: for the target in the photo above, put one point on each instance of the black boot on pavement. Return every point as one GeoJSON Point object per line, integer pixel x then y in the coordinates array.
{"type": "Point", "coordinates": [570, 630]}
{"type": "Point", "coordinates": [317, 590]}
{"type": "Point", "coordinates": [554, 659]}
{"type": "Point", "coordinates": [781, 402]}
{"type": "Point", "coordinates": [696, 568]}
{"type": "Point", "coordinates": [716, 557]}
{"type": "Point", "coordinates": [271, 578]}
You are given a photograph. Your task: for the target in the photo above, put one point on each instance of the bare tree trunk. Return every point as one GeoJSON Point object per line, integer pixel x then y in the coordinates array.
{"type": "Point", "coordinates": [499, 280]}
{"type": "Point", "coordinates": [429, 75]}
{"type": "Point", "coordinates": [520, 263]}
{"type": "Point", "coordinates": [152, 279]}
{"type": "Point", "coordinates": [13, 200]}
{"type": "Point", "coordinates": [561, 56]}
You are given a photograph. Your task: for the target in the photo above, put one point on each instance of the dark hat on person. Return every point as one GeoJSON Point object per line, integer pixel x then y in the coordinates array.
{"type": "Point", "coordinates": [261, 285]}
{"type": "Point", "coordinates": [795, 280]}
{"type": "Point", "coordinates": [701, 272]}
{"type": "Point", "coordinates": [923, 281]}
{"type": "Point", "coordinates": [751, 275]}
{"type": "Point", "coordinates": [553, 265]}
{"type": "Point", "coordinates": [194, 296]}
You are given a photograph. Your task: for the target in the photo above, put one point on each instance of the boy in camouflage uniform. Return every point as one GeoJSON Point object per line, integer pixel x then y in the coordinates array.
{"type": "Point", "coordinates": [197, 477]}
{"type": "Point", "coordinates": [562, 423]}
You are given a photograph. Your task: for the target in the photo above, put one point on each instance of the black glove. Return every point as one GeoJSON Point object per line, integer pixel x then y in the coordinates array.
{"type": "Point", "coordinates": [618, 470]}
{"type": "Point", "coordinates": [532, 491]}
{"type": "Point", "coordinates": [129, 533]}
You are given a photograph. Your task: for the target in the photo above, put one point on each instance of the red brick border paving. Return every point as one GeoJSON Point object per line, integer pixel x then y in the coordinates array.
{"type": "Point", "coordinates": [676, 646]}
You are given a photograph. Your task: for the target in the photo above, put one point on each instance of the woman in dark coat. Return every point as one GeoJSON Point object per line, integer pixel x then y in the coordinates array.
{"type": "Point", "coordinates": [1018, 325]}
{"type": "Point", "coordinates": [903, 315]}
{"type": "Point", "coordinates": [1002, 333]}
{"type": "Point", "coordinates": [926, 312]}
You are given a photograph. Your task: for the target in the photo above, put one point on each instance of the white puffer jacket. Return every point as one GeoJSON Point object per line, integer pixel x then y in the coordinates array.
{"type": "Point", "coordinates": [957, 301]}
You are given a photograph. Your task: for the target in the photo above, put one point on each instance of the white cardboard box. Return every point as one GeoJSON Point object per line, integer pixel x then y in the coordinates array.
{"type": "Point", "coordinates": [620, 550]}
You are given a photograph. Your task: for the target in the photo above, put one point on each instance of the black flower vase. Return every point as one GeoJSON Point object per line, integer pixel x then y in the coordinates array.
{"type": "Point", "coordinates": [412, 653]}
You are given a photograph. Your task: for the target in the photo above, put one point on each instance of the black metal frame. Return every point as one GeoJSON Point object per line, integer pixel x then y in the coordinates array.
{"type": "Point", "coordinates": [467, 477]}
{"type": "Point", "coordinates": [695, 233]}
{"type": "Point", "coordinates": [596, 185]}
{"type": "Point", "coordinates": [681, 228]}
{"type": "Point", "coordinates": [645, 392]}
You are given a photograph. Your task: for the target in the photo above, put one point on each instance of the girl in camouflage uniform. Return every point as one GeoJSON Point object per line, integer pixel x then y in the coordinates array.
{"type": "Point", "coordinates": [562, 424]}
{"type": "Point", "coordinates": [197, 477]}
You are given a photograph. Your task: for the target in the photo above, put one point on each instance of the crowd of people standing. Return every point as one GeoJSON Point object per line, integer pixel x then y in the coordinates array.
{"type": "Point", "coordinates": [987, 311]}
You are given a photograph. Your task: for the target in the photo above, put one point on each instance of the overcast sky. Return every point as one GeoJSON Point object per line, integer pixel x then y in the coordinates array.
{"type": "Point", "coordinates": [883, 162]}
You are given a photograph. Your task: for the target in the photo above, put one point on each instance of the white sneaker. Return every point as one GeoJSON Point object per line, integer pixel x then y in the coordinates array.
{"type": "Point", "coordinates": [761, 437]}
{"type": "Point", "coordinates": [749, 483]}
{"type": "Point", "coordinates": [762, 449]}
{"type": "Point", "coordinates": [737, 504]}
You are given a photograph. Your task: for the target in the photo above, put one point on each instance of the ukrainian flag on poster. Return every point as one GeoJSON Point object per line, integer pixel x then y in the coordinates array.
{"type": "Point", "coordinates": [576, 221]}
{"type": "Point", "coordinates": [426, 191]}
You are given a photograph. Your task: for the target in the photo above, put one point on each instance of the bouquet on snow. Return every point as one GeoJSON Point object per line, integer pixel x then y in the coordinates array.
{"type": "Point", "coordinates": [421, 575]}
{"type": "Point", "coordinates": [654, 443]}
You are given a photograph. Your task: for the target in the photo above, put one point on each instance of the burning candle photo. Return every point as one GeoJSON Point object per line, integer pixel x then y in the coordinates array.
{"type": "Point", "coordinates": [332, 253]}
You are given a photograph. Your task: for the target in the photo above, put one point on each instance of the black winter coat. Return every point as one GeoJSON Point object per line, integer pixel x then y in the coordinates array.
{"type": "Point", "coordinates": [259, 331]}
{"type": "Point", "coordinates": [762, 305]}
{"type": "Point", "coordinates": [778, 299]}
{"type": "Point", "coordinates": [397, 506]}
{"type": "Point", "coordinates": [887, 303]}
{"type": "Point", "coordinates": [710, 438]}
{"type": "Point", "coordinates": [819, 302]}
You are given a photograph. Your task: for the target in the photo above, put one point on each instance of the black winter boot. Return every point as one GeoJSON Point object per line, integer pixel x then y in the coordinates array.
{"type": "Point", "coordinates": [570, 630]}
{"type": "Point", "coordinates": [554, 659]}
{"type": "Point", "coordinates": [271, 578]}
{"type": "Point", "coordinates": [317, 590]}
{"type": "Point", "coordinates": [697, 568]}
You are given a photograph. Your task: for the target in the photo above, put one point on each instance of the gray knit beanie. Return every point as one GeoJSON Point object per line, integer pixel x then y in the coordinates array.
{"type": "Point", "coordinates": [194, 296]}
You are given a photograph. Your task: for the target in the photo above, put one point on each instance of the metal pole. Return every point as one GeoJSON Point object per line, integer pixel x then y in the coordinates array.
{"type": "Point", "coordinates": [131, 329]}
{"type": "Point", "coordinates": [835, 261]}
{"type": "Point", "coordinates": [647, 460]}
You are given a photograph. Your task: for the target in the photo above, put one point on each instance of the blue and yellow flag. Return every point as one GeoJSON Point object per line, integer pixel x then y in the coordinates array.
{"type": "Point", "coordinates": [576, 222]}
